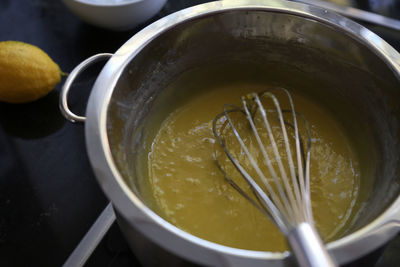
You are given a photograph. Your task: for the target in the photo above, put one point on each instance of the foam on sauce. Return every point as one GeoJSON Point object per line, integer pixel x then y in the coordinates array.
{"type": "Point", "coordinates": [193, 195]}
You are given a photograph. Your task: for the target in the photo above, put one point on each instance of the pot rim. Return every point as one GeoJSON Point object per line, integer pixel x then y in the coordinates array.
{"type": "Point", "coordinates": [132, 208]}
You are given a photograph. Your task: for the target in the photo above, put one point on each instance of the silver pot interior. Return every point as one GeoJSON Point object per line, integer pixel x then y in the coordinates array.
{"type": "Point", "coordinates": [302, 54]}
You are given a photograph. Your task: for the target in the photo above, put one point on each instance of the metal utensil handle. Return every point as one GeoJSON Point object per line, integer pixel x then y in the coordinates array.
{"type": "Point", "coordinates": [308, 248]}
{"type": "Point", "coordinates": [92, 238]}
{"type": "Point", "coordinates": [67, 113]}
{"type": "Point", "coordinates": [356, 13]}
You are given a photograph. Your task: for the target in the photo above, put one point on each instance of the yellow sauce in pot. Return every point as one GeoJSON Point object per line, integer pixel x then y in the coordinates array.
{"type": "Point", "coordinates": [193, 195]}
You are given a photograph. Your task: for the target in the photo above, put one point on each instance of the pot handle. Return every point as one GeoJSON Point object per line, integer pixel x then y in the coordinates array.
{"type": "Point", "coordinates": [67, 113]}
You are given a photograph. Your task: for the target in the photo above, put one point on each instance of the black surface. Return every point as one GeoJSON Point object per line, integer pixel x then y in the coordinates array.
{"type": "Point", "coordinates": [48, 194]}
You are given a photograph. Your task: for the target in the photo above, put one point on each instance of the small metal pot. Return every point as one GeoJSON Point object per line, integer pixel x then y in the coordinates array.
{"type": "Point", "coordinates": [339, 63]}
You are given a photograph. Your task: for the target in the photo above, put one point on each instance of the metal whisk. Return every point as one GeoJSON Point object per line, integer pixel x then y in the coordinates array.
{"type": "Point", "coordinates": [278, 179]}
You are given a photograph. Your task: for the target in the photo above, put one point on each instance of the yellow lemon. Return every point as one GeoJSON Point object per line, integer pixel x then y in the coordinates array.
{"type": "Point", "coordinates": [27, 73]}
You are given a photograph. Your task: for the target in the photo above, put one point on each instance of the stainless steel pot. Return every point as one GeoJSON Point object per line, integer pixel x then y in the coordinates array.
{"type": "Point", "coordinates": [339, 63]}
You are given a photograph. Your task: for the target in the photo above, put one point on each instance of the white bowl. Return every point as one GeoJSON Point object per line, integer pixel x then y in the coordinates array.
{"type": "Point", "coordinates": [117, 15]}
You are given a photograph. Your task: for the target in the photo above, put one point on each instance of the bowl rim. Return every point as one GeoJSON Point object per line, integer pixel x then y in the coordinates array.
{"type": "Point", "coordinates": [132, 208]}
{"type": "Point", "coordinates": [105, 4]}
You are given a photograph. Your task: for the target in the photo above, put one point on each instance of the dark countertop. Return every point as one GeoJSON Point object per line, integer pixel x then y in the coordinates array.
{"type": "Point", "coordinates": [49, 196]}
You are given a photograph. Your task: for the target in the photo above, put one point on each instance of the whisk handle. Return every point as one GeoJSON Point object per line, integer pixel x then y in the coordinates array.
{"type": "Point", "coordinates": [308, 248]}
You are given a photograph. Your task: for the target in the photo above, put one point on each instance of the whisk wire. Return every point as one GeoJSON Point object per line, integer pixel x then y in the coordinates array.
{"type": "Point", "coordinates": [292, 195]}
{"type": "Point", "coordinates": [289, 205]}
{"type": "Point", "coordinates": [267, 161]}
{"type": "Point", "coordinates": [264, 200]}
{"type": "Point", "coordinates": [299, 161]}
{"type": "Point", "coordinates": [304, 185]}
{"type": "Point", "coordinates": [259, 192]}
{"type": "Point", "coordinates": [306, 161]}
{"type": "Point", "coordinates": [293, 198]}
